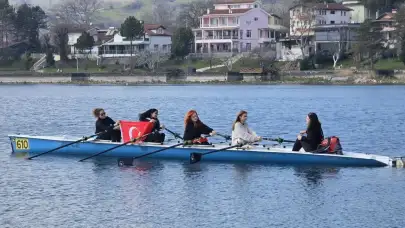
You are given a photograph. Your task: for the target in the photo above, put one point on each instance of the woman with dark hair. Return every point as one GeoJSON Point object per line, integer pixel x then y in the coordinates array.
{"type": "Point", "coordinates": [241, 133]}
{"type": "Point", "coordinates": [104, 123]}
{"type": "Point", "coordinates": [193, 128]}
{"type": "Point", "coordinates": [314, 135]}
{"type": "Point", "coordinates": [151, 115]}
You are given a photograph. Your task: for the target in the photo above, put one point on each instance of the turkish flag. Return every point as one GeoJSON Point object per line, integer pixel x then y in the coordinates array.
{"type": "Point", "coordinates": [132, 129]}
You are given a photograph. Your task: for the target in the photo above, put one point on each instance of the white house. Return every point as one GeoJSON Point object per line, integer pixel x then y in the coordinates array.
{"type": "Point", "coordinates": [313, 23]}
{"type": "Point", "coordinates": [387, 23]}
{"type": "Point", "coordinates": [359, 12]}
{"type": "Point", "coordinates": [100, 37]}
{"type": "Point", "coordinates": [156, 39]}
{"type": "Point", "coordinates": [237, 26]}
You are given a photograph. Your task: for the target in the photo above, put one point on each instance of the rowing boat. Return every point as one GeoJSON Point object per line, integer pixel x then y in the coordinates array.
{"type": "Point", "coordinates": [272, 154]}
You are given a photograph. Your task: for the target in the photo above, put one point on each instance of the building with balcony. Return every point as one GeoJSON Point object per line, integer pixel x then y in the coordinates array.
{"type": "Point", "coordinates": [387, 23]}
{"type": "Point", "coordinates": [317, 25]}
{"type": "Point", "coordinates": [237, 26]}
{"type": "Point", "coordinates": [157, 39]}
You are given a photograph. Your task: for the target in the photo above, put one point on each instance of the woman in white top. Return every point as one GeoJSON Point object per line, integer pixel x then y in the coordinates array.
{"type": "Point", "coordinates": [241, 133]}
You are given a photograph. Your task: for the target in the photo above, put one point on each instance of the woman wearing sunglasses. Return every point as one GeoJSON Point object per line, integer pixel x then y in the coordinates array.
{"type": "Point", "coordinates": [103, 123]}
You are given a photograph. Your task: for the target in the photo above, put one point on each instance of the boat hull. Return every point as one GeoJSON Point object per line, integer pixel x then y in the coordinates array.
{"type": "Point", "coordinates": [273, 155]}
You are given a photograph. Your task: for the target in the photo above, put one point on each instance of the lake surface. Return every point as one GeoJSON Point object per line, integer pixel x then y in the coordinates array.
{"type": "Point", "coordinates": [61, 192]}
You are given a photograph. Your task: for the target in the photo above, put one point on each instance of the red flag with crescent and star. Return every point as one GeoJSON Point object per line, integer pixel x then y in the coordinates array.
{"type": "Point", "coordinates": [133, 129]}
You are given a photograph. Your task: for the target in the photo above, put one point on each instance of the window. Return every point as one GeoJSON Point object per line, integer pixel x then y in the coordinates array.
{"type": "Point", "coordinates": [344, 13]}
{"type": "Point", "coordinates": [248, 33]}
{"type": "Point", "coordinates": [164, 48]}
{"type": "Point", "coordinates": [332, 12]}
{"type": "Point", "coordinates": [256, 18]}
{"type": "Point", "coordinates": [322, 12]}
{"type": "Point", "coordinates": [332, 22]}
{"type": "Point", "coordinates": [156, 47]}
{"type": "Point", "coordinates": [255, 5]}
{"type": "Point", "coordinates": [223, 21]}
{"type": "Point", "coordinates": [241, 34]}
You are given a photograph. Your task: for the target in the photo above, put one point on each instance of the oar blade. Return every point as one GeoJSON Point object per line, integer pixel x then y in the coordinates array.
{"type": "Point", "coordinates": [195, 157]}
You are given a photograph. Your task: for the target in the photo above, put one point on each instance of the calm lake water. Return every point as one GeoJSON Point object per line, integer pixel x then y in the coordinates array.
{"type": "Point", "coordinates": [61, 192]}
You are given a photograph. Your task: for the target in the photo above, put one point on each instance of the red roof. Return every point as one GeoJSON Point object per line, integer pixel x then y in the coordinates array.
{"type": "Point", "coordinates": [233, 1]}
{"type": "Point", "coordinates": [226, 11]}
{"type": "Point", "coordinates": [149, 27]}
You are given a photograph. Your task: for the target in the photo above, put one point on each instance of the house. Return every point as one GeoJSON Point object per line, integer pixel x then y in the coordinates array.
{"type": "Point", "coordinates": [100, 37]}
{"type": "Point", "coordinates": [156, 39]}
{"type": "Point", "coordinates": [237, 26]}
{"type": "Point", "coordinates": [314, 22]}
{"type": "Point", "coordinates": [359, 12]}
{"type": "Point", "coordinates": [386, 22]}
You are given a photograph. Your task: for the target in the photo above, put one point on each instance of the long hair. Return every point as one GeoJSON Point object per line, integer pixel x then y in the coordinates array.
{"type": "Point", "coordinates": [96, 112]}
{"type": "Point", "coordinates": [187, 118]}
{"type": "Point", "coordinates": [314, 122]}
{"type": "Point", "coordinates": [147, 114]}
{"type": "Point", "coordinates": [240, 114]}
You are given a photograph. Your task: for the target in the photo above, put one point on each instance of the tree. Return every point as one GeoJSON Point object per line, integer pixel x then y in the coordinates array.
{"type": "Point", "coordinates": [61, 39]}
{"type": "Point", "coordinates": [378, 4]}
{"type": "Point", "coordinates": [28, 21]}
{"type": "Point", "coordinates": [340, 44]}
{"type": "Point", "coordinates": [85, 42]}
{"type": "Point", "coordinates": [369, 43]}
{"type": "Point", "coordinates": [302, 26]}
{"type": "Point", "coordinates": [190, 13]}
{"type": "Point", "coordinates": [7, 16]}
{"type": "Point", "coordinates": [48, 49]}
{"type": "Point", "coordinates": [132, 29]}
{"type": "Point", "coordinates": [152, 59]}
{"type": "Point", "coordinates": [79, 12]}
{"type": "Point", "coordinates": [182, 39]}
{"type": "Point", "coordinates": [163, 12]}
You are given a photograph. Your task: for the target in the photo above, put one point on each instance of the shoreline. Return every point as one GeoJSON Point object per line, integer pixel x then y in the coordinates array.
{"type": "Point", "coordinates": [304, 78]}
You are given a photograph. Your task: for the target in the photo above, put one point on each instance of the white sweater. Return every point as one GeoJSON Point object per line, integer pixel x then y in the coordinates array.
{"type": "Point", "coordinates": [243, 134]}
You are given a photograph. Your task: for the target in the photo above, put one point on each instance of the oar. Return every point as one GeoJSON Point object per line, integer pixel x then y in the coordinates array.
{"type": "Point", "coordinates": [279, 140]}
{"type": "Point", "coordinates": [115, 147]}
{"type": "Point", "coordinates": [176, 135]}
{"type": "Point", "coordinates": [226, 137]}
{"type": "Point", "coordinates": [196, 157]}
{"type": "Point", "coordinates": [82, 139]}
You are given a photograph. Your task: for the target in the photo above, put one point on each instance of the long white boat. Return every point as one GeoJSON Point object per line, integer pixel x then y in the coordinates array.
{"type": "Point", "coordinates": [255, 154]}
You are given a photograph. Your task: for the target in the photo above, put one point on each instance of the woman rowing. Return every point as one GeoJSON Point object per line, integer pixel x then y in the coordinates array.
{"type": "Point", "coordinates": [151, 115]}
{"type": "Point", "coordinates": [241, 133]}
{"type": "Point", "coordinates": [314, 135]}
{"type": "Point", "coordinates": [105, 123]}
{"type": "Point", "coordinates": [194, 128]}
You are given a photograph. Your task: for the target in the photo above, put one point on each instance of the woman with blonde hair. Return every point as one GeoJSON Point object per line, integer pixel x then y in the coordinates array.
{"type": "Point", "coordinates": [241, 133]}
{"type": "Point", "coordinates": [194, 128]}
{"type": "Point", "coordinates": [105, 123]}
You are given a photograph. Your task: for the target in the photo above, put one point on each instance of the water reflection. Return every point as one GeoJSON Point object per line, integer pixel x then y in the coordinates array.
{"type": "Point", "coordinates": [314, 175]}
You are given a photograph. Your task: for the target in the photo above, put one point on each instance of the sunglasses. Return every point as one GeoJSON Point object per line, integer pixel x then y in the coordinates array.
{"type": "Point", "coordinates": [102, 114]}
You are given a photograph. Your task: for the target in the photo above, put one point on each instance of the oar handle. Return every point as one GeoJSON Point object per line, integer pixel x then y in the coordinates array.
{"type": "Point", "coordinates": [226, 137]}
{"type": "Point", "coordinates": [176, 135]}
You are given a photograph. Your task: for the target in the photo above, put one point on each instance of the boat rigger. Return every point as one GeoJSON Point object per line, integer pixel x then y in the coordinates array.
{"type": "Point", "coordinates": [271, 154]}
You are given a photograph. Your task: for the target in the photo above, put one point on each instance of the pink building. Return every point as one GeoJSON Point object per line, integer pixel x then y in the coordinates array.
{"type": "Point", "coordinates": [237, 26]}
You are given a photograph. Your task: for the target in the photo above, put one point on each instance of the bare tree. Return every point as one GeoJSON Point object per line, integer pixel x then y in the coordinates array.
{"type": "Point", "coordinates": [302, 26]}
{"type": "Point", "coordinates": [152, 59]}
{"type": "Point", "coordinates": [340, 44]}
{"type": "Point", "coordinates": [163, 12]}
{"type": "Point", "coordinates": [61, 38]}
{"type": "Point", "coordinates": [228, 62]}
{"type": "Point", "coordinates": [80, 12]}
{"type": "Point", "coordinates": [190, 13]}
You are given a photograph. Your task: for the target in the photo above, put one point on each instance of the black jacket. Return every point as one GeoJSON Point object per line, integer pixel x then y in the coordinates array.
{"type": "Point", "coordinates": [102, 125]}
{"type": "Point", "coordinates": [191, 132]}
{"type": "Point", "coordinates": [314, 137]}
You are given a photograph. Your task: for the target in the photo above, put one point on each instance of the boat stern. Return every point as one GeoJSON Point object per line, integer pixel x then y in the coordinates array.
{"type": "Point", "coordinates": [19, 144]}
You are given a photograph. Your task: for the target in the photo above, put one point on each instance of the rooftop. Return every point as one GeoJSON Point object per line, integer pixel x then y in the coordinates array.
{"type": "Point", "coordinates": [233, 1]}
{"type": "Point", "coordinates": [323, 6]}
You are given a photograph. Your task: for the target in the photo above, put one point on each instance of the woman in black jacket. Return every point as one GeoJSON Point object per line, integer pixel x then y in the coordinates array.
{"type": "Point", "coordinates": [152, 116]}
{"type": "Point", "coordinates": [314, 135]}
{"type": "Point", "coordinates": [104, 123]}
{"type": "Point", "coordinates": [194, 128]}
